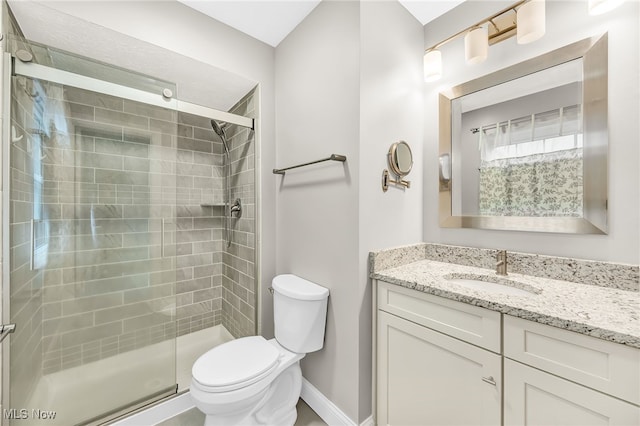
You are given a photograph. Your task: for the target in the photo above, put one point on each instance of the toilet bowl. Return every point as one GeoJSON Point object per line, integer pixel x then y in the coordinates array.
{"type": "Point", "coordinates": [254, 381]}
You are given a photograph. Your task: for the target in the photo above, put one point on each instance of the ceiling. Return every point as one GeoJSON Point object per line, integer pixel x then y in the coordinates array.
{"type": "Point", "coordinates": [272, 20]}
{"type": "Point", "coordinates": [267, 20]}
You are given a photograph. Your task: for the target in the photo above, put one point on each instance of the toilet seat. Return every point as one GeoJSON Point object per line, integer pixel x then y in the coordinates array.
{"type": "Point", "coordinates": [235, 364]}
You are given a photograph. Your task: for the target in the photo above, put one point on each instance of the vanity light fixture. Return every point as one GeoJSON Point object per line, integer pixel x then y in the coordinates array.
{"type": "Point", "coordinates": [476, 45]}
{"type": "Point", "coordinates": [598, 7]}
{"type": "Point", "coordinates": [524, 18]}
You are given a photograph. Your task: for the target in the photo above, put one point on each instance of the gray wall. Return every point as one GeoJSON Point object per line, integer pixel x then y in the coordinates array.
{"type": "Point", "coordinates": [345, 86]}
{"type": "Point", "coordinates": [391, 109]}
{"type": "Point", "coordinates": [622, 243]}
{"type": "Point", "coordinates": [317, 81]}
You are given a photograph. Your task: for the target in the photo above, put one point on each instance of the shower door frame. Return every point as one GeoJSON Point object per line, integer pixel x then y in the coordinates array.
{"type": "Point", "coordinates": [13, 66]}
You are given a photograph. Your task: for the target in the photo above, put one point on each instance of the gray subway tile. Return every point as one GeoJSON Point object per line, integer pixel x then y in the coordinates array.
{"type": "Point", "coordinates": [194, 145]}
{"type": "Point", "coordinates": [163, 126]}
{"type": "Point", "coordinates": [131, 149]}
{"type": "Point", "coordinates": [205, 134]}
{"type": "Point", "coordinates": [122, 312]}
{"type": "Point", "coordinates": [110, 285]}
{"type": "Point", "coordinates": [66, 324]}
{"type": "Point", "coordinates": [151, 111]}
{"type": "Point", "coordinates": [145, 321]}
{"type": "Point", "coordinates": [193, 285]}
{"type": "Point", "coordinates": [121, 177]}
{"type": "Point", "coordinates": [148, 293]}
{"type": "Point", "coordinates": [121, 119]}
{"type": "Point", "coordinates": [90, 334]}
{"type": "Point", "coordinates": [75, 110]}
{"type": "Point", "coordinates": [90, 304]}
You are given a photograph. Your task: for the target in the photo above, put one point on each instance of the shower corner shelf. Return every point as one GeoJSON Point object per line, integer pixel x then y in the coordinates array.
{"type": "Point", "coordinates": [212, 205]}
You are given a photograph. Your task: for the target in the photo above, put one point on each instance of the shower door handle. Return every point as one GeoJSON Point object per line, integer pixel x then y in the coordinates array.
{"type": "Point", "coordinates": [5, 330]}
{"type": "Point", "coordinates": [162, 238]}
{"type": "Point", "coordinates": [32, 242]}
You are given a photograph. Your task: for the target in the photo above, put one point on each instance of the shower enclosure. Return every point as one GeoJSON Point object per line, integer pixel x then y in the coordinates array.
{"type": "Point", "coordinates": [115, 197]}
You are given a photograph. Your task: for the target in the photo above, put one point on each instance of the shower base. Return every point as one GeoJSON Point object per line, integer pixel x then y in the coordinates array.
{"type": "Point", "coordinates": [80, 393]}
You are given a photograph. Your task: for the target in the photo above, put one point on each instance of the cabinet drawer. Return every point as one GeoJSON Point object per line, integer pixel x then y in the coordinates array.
{"type": "Point", "coordinates": [605, 366]}
{"type": "Point", "coordinates": [472, 324]}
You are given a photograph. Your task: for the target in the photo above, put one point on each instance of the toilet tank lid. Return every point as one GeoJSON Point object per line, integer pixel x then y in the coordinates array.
{"type": "Point", "coordinates": [298, 288]}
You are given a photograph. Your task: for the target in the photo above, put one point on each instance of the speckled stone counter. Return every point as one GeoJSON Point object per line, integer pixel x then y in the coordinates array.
{"type": "Point", "coordinates": [599, 310]}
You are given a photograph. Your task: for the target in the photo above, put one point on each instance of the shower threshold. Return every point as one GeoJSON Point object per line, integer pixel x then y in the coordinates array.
{"type": "Point", "coordinates": [76, 394]}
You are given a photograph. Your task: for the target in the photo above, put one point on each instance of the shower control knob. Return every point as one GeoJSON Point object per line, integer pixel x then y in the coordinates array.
{"type": "Point", "coordinates": [167, 93]}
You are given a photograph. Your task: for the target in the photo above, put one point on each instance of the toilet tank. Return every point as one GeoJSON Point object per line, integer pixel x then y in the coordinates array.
{"type": "Point", "coordinates": [299, 313]}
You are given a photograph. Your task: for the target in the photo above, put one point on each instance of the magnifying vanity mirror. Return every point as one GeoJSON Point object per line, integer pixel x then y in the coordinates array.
{"type": "Point", "coordinates": [400, 158]}
{"type": "Point", "coordinates": [525, 148]}
{"type": "Point", "coordinates": [400, 161]}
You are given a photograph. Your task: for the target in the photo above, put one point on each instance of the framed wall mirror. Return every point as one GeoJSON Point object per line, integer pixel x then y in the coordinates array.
{"type": "Point", "coordinates": [525, 148]}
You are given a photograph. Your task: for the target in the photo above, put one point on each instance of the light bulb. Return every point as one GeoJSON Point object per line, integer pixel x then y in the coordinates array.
{"type": "Point", "coordinates": [530, 20]}
{"type": "Point", "coordinates": [476, 45]}
{"type": "Point", "coordinates": [432, 65]}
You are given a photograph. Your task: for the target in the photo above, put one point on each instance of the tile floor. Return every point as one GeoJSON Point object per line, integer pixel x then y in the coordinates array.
{"type": "Point", "coordinates": [193, 417]}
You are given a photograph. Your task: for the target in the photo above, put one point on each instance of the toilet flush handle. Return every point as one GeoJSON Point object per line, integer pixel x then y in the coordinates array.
{"type": "Point", "coordinates": [271, 290]}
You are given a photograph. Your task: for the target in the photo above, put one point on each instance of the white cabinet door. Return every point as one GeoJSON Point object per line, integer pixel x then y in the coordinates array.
{"type": "Point", "coordinates": [535, 398]}
{"type": "Point", "coordinates": [427, 378]}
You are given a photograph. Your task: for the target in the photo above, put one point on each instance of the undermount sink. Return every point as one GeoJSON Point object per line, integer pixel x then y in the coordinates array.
{"type": "Point", "coordinates": [493, 284]}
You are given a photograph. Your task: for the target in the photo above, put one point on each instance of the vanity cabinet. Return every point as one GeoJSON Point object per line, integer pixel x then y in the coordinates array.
{"type": "Point", "coordinates": [426, 377]}
{"type": "Point", "coordinates": [443, 362]}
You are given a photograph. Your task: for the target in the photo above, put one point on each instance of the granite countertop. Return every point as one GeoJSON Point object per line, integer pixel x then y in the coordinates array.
{"type": "Point", "coordinates": [603, 312]}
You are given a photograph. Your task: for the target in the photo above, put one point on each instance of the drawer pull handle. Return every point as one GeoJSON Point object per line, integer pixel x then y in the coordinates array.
{"type": "Point", "coordinates": [489, 380]}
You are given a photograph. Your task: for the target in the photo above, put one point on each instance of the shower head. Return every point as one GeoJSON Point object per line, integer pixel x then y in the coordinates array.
{"type": "Point", "coordinates": [219, 129]}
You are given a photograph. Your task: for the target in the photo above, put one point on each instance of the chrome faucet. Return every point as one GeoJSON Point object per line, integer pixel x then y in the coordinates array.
{"type": "Point", "coordinates": [501, 262]}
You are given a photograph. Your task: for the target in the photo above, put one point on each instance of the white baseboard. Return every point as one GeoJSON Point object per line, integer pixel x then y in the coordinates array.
{"type": "Point", "coordinates": [327, 410]}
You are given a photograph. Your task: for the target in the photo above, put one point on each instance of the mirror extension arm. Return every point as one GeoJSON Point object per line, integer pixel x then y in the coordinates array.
{"type": "Point", "coordinates": [386, 180]}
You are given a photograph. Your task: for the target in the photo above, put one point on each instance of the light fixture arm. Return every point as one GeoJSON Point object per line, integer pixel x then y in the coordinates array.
{"type": "Point", "coordinates": [480, 23]}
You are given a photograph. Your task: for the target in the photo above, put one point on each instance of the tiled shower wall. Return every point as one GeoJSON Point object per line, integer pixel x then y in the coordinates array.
{"type": "Point", "coordinates": [108, 182]}
{"type": "Point", "coordinates": [199, 225]}
{"type": "Point", "coordinates": [239, 260]}
{"type": "Point", "coordinates": [111, 170]}
{"type": "Point", "coordinates": [216, 283]}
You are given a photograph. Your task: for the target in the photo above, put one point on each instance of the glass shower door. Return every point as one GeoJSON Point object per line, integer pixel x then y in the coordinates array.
{"type": "Point", "coordinates": [92, 201]}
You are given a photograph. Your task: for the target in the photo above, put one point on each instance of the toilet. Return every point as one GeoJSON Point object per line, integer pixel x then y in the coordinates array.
{"type": "Point", "coordinates": [254, 381]}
